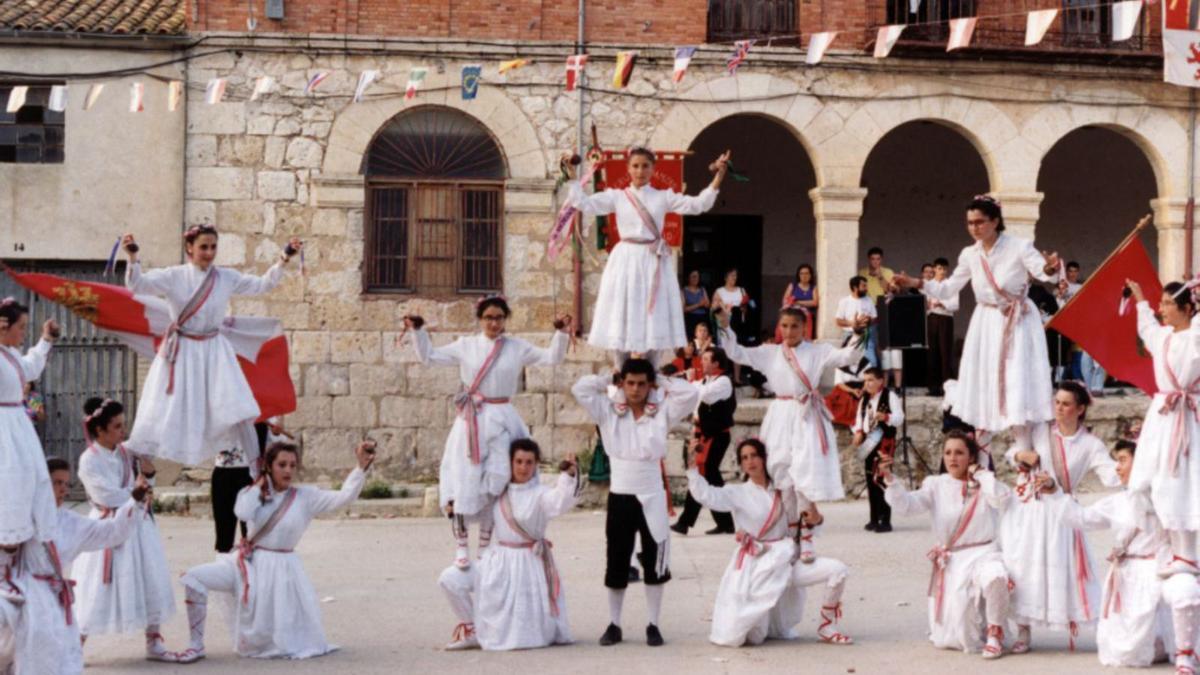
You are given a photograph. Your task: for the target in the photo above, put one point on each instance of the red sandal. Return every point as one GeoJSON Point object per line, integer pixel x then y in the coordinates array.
{"type": "Point", "coordinates": [829, 617]}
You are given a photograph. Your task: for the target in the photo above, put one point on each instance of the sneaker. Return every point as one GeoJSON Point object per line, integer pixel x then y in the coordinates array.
{"type": "Point", "coordinates": [653, 637]}
{"type": "Point", "coordinates": [612, 635]}
{"type": "Point", "coordinates": [883, 527]}
{"type": "Point", "coordinates": [463, 638]}
{"type": "Point", "coordinates": [680, 528]}
{"type": "Point", "coordinates": [870, 527]}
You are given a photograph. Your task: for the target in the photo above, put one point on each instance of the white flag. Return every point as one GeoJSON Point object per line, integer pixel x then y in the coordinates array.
{"type": "Point", "coordinates": [58, 98]}
{"type": "Point", "coordinates": [215, 91]}
{"type": "Point", "coordinates": [1125, 18]}
{"type": "Point", "coordinates": [261, 86]}
{"type": "Point", "coordinates": [93, 93]}
{"type": "Point", "coordinates": [1036, 25]}
{"type": "Point", "coordinates": [16, 98]}
{"type": "Point", "coordinates": [817, 45]}
{"type": "Point", "coordinates": [137, 93]}
{"type": "Point", "coordinates": [913, 6]}
{"type": "Point", "coordinates": [886, 38]}
{"type": "Point", "coordinates": [174, 94]}
{"type": "Point", "coordinates": [365, 78]}
{"type": "Point", "coordinates": [960, 33]}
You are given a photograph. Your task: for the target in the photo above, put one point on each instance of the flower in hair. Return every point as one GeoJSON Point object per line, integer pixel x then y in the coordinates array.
{"type": "Point", "coordinates": [494, 296]}
{"type": "Point", "coordinates": [988, 198]}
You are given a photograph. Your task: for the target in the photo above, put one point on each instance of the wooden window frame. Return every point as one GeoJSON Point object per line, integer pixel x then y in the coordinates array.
{"type": "Point", "coordinates": [51, 120]}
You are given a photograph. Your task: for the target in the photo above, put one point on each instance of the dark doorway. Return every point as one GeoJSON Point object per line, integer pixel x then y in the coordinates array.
{"type": "Point", "coordinates": [712, 243]}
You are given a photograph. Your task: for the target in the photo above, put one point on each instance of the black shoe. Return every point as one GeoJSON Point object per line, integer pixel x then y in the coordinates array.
{"type": "Point", "coordinates": [653, 637]}
{"type": "Point", "coordinates": [634, 576]}
{"type": "Point", "coordinates": [870, 527]}
{"type": "Point", "coordinates": [612, 635]}
{"type": "Point", "coordinates": [719, 530]}
{"type": "Point", "coordinates": [680, 528]}
{"type": "Point", "coordinates": [883, 527]}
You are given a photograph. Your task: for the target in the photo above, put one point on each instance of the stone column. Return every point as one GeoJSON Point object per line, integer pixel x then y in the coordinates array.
{"type": "Point", "coordinates": [837, 210]}
{"type": "Point", "coordinates": [1021, 212]}
{"type": "Point", "coordinates": [1169, 218]}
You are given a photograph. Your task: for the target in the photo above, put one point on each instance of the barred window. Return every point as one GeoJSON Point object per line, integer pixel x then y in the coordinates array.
{"type": "Point", "coordinates": [434, 206]}
{"type": "Point", "coordinates": [33, 134]}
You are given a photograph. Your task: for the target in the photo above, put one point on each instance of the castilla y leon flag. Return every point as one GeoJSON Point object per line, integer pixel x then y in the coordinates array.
{"type": "Point", "coordinates": [1181, 42]}
{"type": "Point", "coordinates": [1094, 319]}
{"type": "Point", "coordinates": [139, 321]}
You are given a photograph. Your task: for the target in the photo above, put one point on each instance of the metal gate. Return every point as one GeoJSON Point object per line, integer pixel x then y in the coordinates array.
{"type": "Point", "coordinates": [83, 363]}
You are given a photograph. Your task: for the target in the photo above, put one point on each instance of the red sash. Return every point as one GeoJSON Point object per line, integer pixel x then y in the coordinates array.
{"type": "Point", "coordinates": [470, 401]}
{"type": "Point", "coordinates": [1013, 309]}
{"type": "Point", "coordinates": [170, 344]}
{"type": "Point", "coordinates": [939, 555]}
{"type": "Point", "coordinates": [107, 512]}
{"type": "Point", "coordinates": [246, 547]}
{"type": "Point", "coordinates": [757, 545]}
{"type": "Point", "coordinates": [540, 547]}
{"type": "Point", "coordinates": [1179, 402]}
{"type": "Point", "coordinates": [810, 398]}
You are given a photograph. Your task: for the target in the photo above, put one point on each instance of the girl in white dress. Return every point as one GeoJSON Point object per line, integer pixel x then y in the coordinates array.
{"type": "Point", "coordinates": [763, 588]}
{"type": "Point", "coordinates": [968, 588]}
{"type": "Point", "coordinates": [196, 400]}
{"type": "Point", "coordinates": [277, 614]}
{"type": "Point", "coordinates": [475, 465]}
{"type": "Point", "coordinates": [798, 428]}
{"type": "Point", "coordinates": [519, 601]}
{"type": "Point", "coordinates": [37, 631]}
{"type": "Point", "coordinates": [1056, 583]}
{"type": "Point", "coordinates": [1005, 371]}
{"type": "Point", "coordinates": [127, 587]}
{"type": "Point", "coordinates": [1167, 467]}
{"type": "Point", "coordinates": [1134, 628]}
{"type": "Point", "coordinates": [27, 503]}
{"type": "Point", "coordinates": [639, 309]}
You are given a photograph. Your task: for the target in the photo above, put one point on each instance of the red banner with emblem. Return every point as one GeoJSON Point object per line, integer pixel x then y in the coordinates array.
{"type": "Point", "coordinates": [668, 175]}
{"type": "Point", "coordinates": [1181, 42]}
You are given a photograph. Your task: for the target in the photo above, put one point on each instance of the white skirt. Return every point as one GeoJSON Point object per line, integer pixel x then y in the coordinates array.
{"type": "Point", "coordinates": [472, 487]}
{"type": "Point", "coordinates": [1176, 498]}
{"type": "Point", "coordinates": [794, 456]}
{"type": "Point", "coordinates": [1028, 392]}
{"type": "Point", "coordinates": [622, 320]}
{"type": "Point", "coordinates": [1126, 638]}
{"type": "Point", "coordinates": [140, 594]}
{"type": "Point", "coordinates": [34, 637]}
{"type": "Point", "coordinates": [512, 608]}
{"type": "Point", "coordinates": [747, 597]}
{"type": "Point", "coordinates": [963, 624]}
{"type": "Point", "coordinates": [27, 507]}
{"type": "Point", "coordinates": [1040, 556]}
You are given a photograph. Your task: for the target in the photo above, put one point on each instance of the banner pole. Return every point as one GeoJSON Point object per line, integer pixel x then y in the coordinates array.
{"type": "Point", "coordinates": [1141, 225]}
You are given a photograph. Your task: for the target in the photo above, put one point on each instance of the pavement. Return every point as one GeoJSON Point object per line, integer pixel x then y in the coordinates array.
{"type": "Point", "coordinates": [380, 601]}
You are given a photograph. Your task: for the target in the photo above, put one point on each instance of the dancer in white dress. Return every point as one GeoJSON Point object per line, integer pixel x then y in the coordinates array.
{"type": "Point", "coordinates": [798, 427]}
{"type": "Point", "coordinates": [762, 591]}
{"type": "Point", "coordinates": [1134, 628]}
{"type": "Point", "coordinates": [37, 631]}
{"type": "Point", "coordinates": [1056, 584]}
{"type": "Point", "coordinates": [124, 588]}
{"type": "Point", "coordinates": [968, 571]}
{"type": "Point", "coordinates": [196, 401]}
{"type": "Point", "coordinates": [277, 613]}
{"type": "Point", "coordinates": [475, 466]}
{"type": "Point", "coordinates": [639, 309]}
{"type": "Point", "coordinates": [519, 601]}
{"type": "Point", "coordinates": [27, 507]}
{"type": "Point", "coordinates": [1005, 370]}
{"type": "Point", "coordinates": [1167, 467]}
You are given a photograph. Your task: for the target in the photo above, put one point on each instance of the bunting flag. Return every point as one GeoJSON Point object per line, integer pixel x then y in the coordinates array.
{"type": "Point", "coordinates": [261, 86]}
{"type": "Point", "coordinates": [174, 94]}
{"type": "Point", "coordinates": [365, 78]}
{"type": "Point", "coordinates": [886, 38]}
{"type": "Point", "coordinates": [215, 91]}
{"type": "Point", "coordinates": [1036, 25]}
{"type": "Point", "coordinates": [624, 70]}
{"type": "Point", "coordinates": [961, 31]}
{"type": "Point", "coordinates": [16, 98]}
{"type": "Point", "coordinates": [137, 97]}
{"type": "Point", "coordinates": [1125, 17]}
{"type": "Point", "coordinates": [1093, 320]}
{"type": "Point", "coordinates": [315, 81]}
{"type": "Point", "coordinates": [817, 45]}
{"type": "Point", "coordinates": [415, 78]}
{"type": "Point", "coordinates": [1181, 44]}
{"type": "Point", "coordinates": [575, 65]}
{"type": "Point", "coordinates": [58, 98]}
{"type": "Point", "coordinates": [93, 93]}
{"type": "Point", "coordinates": [140, 321]}
{"type": "Point", "coordinates": [683, 58]}
{"type": "Point", "coordinates": [506, 66]}
{"type": "Point", "coordinates": [470, 81]}
{"type": "Point", "coordinates": [741, 50]}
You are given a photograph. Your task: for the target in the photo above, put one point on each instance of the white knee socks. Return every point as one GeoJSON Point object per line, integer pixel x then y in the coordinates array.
{"type": "Point", "coordinates": [616, 598]}
{"type": "Point", "coordinates": [654, 598]}
{"type": "Point", "coordinates": [197, 613]}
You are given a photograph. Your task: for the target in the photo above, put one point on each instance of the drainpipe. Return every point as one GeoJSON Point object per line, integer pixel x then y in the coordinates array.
{"type": "Point", "coordinates": [579, 136]}
{"type": "Point", "coordinates": [1188, 216]}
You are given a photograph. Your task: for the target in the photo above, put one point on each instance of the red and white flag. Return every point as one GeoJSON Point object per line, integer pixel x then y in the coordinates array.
{"type": "Point", "coordinates": [886, 38]}
{"type": "Point", "coordinates": [741, 51]}
{"type": "Point", "coordinates": [137, 97]}
{"type": "Point", "coordinates": [683, 58]}
{"type": "Point", "coordinates": [1036, 25]}
{"type": "Point", "coordinates": [261, 86]}
{"type": "Point", "coordinates": [93, 93]}
{"type": "Point", "coordinates": [16, 98]}
{"type": "Point", "coordinates": [314, 81]}
{"type": "Point", "coordinates": [1181, 44]}
{"type": "Point", "coordinates": [817, 46]}
{"type": "Point", "coordinates": [174, 94]}
{"type": "Point", "coordinates": [215, 91]}
{"type": "Point", "coordinates": [575, 65]}
{"type": "Point", "coordinates": [961, 31]}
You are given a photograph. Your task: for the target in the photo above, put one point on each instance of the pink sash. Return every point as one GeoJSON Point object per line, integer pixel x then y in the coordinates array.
{"type": "Point", "coordinates": [246, 547]}
{"type": "Point", "coordinates": [63, 587]}
{"type": "Point", "coordinates": [939, 555]}
{"type": "Point", "coordinates": [1112, 585]}
{"type": "Point", "coordinates": [12, 360]}
{"type": "Point", "coordinates": [661, 249]}
{"type": "Point", "coordinates": [1063, 474]}
{"type": "Point", "coordinates": [540, 547]}
{"type": "Point", "coordinates": [469, 402]}
{"type": "Point", "coordinates": [1012, 311]}
{"type": "Point", "coordinates": [757, 545]}
{"type": "Point", "coordinates": [1178, 402]}
{"type": "Point", "coordinates": [810, 398]}
{"type": "Point", "coordinates": [170, 344]}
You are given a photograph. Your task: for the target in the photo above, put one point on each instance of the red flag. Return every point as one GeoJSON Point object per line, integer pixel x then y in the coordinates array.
{"type": "Point", "coordinates": [1093, 320]}
{"type": "Point", "coordinates": [139, 321]}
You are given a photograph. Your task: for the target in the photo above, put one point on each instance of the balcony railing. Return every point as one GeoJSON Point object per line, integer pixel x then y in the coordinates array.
{"type": "Point", "coordinates": [752, 19]}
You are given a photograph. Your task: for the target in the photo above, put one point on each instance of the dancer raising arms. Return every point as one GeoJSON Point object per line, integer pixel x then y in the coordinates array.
{"type": "Point", "coordinates": [475, 462]}
{"type": "Point", "coordinates": [196, 400]}
{"type": "Point", "coordinates": [639, 309]}
{"type": "Point", "coordinates": [964, 503]}
{"type": "Point", "coordinates": [277, 613]}
{"type": "Point", "coordinates": [1167, 466]}
{"type": "Point", "coordinates": [797, 429]}
{"type": "Point", "coordinates": [518, 597]}
{"type": "Point", "coordinates": [762, 591]}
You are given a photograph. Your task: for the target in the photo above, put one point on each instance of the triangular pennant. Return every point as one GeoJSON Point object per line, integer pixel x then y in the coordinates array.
{"type": "Point", "coordinates": [315, 81]}
{"type": "Point", "coordinates": [215, 91]}
{"type": "Point", "coordinates": [174, 94]}
{"type": "Point", "coordinates": [470, 81]}
{"type": "Point", "coordinates": [415, 78]}
{"type": "Point", "coordinates": [1036, 25]}
{"type": "Point", "coordinates": [624, 70]}
{"type": "Point", "coordinates": [741, 50]}
{"type": "Point", "coordinates": [261, 86]}
{"type": "Point", "coordinates": [1125, 17]}
{"type": "Point", "coordinates": [817, 45]}
{"type": "Point", "coordinates": [93, 93]}
{"type": "Point", "coordinates": [683, 58]}
{"type": "Point", "coordinates": [886, 38]}
{"type": "Point", "coordinates": [16, 98]}
{"type": "Point", "coordinates": [575, 66]}
{"type": "Point", "coordinates": [506, 66]}
{"type": "Point", "coordinates": [137, 95]}
{"type": "Point", "coordinates": [58, 98]}
{"type": "Point", "coordinates": [960, 33]}
{"type": "Point", "coordinates": [365, 78]}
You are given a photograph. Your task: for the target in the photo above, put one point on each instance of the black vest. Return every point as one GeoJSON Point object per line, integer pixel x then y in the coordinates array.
{"type": "Point", "coordinates": [884, 407]}
{"type": "Point", "coordinates": [718, 417]}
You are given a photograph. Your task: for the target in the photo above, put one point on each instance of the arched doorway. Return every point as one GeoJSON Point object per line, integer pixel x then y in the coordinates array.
{"type": "Point", "coordinates": [764, 226]}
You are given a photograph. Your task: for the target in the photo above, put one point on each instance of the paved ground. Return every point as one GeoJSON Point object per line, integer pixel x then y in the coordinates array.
{"type": "Point", "coordinates": [383, 606]}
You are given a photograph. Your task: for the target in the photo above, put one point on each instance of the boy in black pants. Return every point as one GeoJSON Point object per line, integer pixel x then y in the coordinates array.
{"type": "Point", "coordinates": [875, 437]}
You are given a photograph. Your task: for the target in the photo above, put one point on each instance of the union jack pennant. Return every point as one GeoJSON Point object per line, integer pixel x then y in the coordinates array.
{"type": "Point", "coordinates": [741, 49]}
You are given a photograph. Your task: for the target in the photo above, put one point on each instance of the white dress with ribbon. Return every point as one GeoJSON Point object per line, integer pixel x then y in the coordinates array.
{"type": "Point", "coordinates": [27, 508]}
{"type": "Point", "coordinates": [39, 634]}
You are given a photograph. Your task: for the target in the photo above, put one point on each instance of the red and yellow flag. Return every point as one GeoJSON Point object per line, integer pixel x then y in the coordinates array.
{"type": "Point", "coordinates": [624, 69]}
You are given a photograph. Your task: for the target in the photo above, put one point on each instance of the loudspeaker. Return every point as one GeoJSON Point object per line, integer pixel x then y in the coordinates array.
{"type": "Point", "coordinates": [902, 321]}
